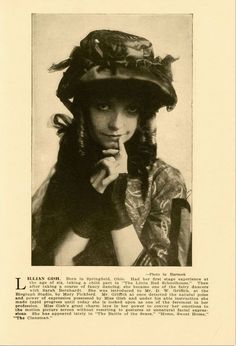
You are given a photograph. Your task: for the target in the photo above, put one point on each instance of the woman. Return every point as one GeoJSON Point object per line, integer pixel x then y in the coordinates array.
{"type": "Point", "coordinates": [109, 200]}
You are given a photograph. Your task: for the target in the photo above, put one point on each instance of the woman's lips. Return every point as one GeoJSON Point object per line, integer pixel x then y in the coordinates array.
{"type": "Point", "coordinates": [112, 136]}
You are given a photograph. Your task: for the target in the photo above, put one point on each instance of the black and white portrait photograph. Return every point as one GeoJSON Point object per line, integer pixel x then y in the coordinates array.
{"type": "Point", "coordinates": [111, 140]}
{"type": "Point", "coordinates": [118, 172]}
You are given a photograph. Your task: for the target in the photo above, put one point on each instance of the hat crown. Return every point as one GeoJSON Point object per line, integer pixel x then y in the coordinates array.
{"type": "Point", "coordinates": [115, 45]}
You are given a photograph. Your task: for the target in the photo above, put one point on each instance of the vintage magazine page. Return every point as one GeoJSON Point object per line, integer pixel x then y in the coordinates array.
{"type": "Point", "coordinates": [108, 87]}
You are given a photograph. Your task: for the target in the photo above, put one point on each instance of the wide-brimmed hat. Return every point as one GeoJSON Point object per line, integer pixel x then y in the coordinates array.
{"type": "Point", "coordinates": [114, 55]}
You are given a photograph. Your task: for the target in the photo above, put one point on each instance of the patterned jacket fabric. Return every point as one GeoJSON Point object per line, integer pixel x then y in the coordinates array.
{"type": "Point", "coordinates": [165, 236]}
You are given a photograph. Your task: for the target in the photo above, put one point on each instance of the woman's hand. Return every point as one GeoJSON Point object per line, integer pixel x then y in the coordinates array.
{"type": "Point", "coordinates": [109, 168]}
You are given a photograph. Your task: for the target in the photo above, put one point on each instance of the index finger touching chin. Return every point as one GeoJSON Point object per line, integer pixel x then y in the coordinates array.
{"type": "Point", "coordinates": [122, 150]}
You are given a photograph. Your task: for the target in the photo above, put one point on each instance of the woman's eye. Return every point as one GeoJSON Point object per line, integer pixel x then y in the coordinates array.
{"type": "Point", "coordinates": [103, 106]}
{"type": "Point", "coordinates": [132, 109]}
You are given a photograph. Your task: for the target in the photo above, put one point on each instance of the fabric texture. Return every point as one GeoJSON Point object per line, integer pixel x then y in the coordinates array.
{"type": "Point", "coordinates": [161, 222]}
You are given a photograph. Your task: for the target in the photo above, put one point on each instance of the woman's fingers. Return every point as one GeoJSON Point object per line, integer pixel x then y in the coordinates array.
{"type": "Point", "coordinates": [109, 152]}
{"type": "Point", "coordinates": [109, 163]}
{"type": "Point", "coordinates": [108, 180]}
{"type": "Point", "coordinates": [122, 147]}
{"type": "Point", "coordinates": [97, 179]}
{"type": "Point", "coordinates": [122, 158]}
{"type": "Point", "coordinates": [104, 161]}
{"type": "Point", "coordinates": [100, 180]}
{"type": "Point", "coordinates": [109, 168]}
{"type": "Point", "coordinates": [98, 176]}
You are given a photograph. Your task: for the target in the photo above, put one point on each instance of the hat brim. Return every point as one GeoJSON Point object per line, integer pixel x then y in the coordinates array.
{"type": "Point", "coordinates": [156, 82]}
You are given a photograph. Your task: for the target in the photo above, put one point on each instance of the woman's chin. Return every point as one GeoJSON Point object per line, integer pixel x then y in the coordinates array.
{"type": "Point", "coordinates": [111, 144]}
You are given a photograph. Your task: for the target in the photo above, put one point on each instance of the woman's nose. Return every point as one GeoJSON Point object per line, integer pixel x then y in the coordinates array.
{"type": "Point", "coordinates": [116, 121]}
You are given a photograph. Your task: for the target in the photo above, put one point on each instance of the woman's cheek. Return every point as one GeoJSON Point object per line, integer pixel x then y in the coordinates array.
{"type": "Point", "coordinates": [133, 125]}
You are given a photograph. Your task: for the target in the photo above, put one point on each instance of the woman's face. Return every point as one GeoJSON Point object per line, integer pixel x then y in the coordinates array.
{"type": "Point", "coordinates": [112, 119]}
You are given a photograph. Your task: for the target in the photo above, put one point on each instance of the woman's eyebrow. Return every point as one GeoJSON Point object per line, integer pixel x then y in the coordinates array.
{"type": "Point", "coordinates": [135, 101]}
{"type": "Point", "coordinates": [97, 99]}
